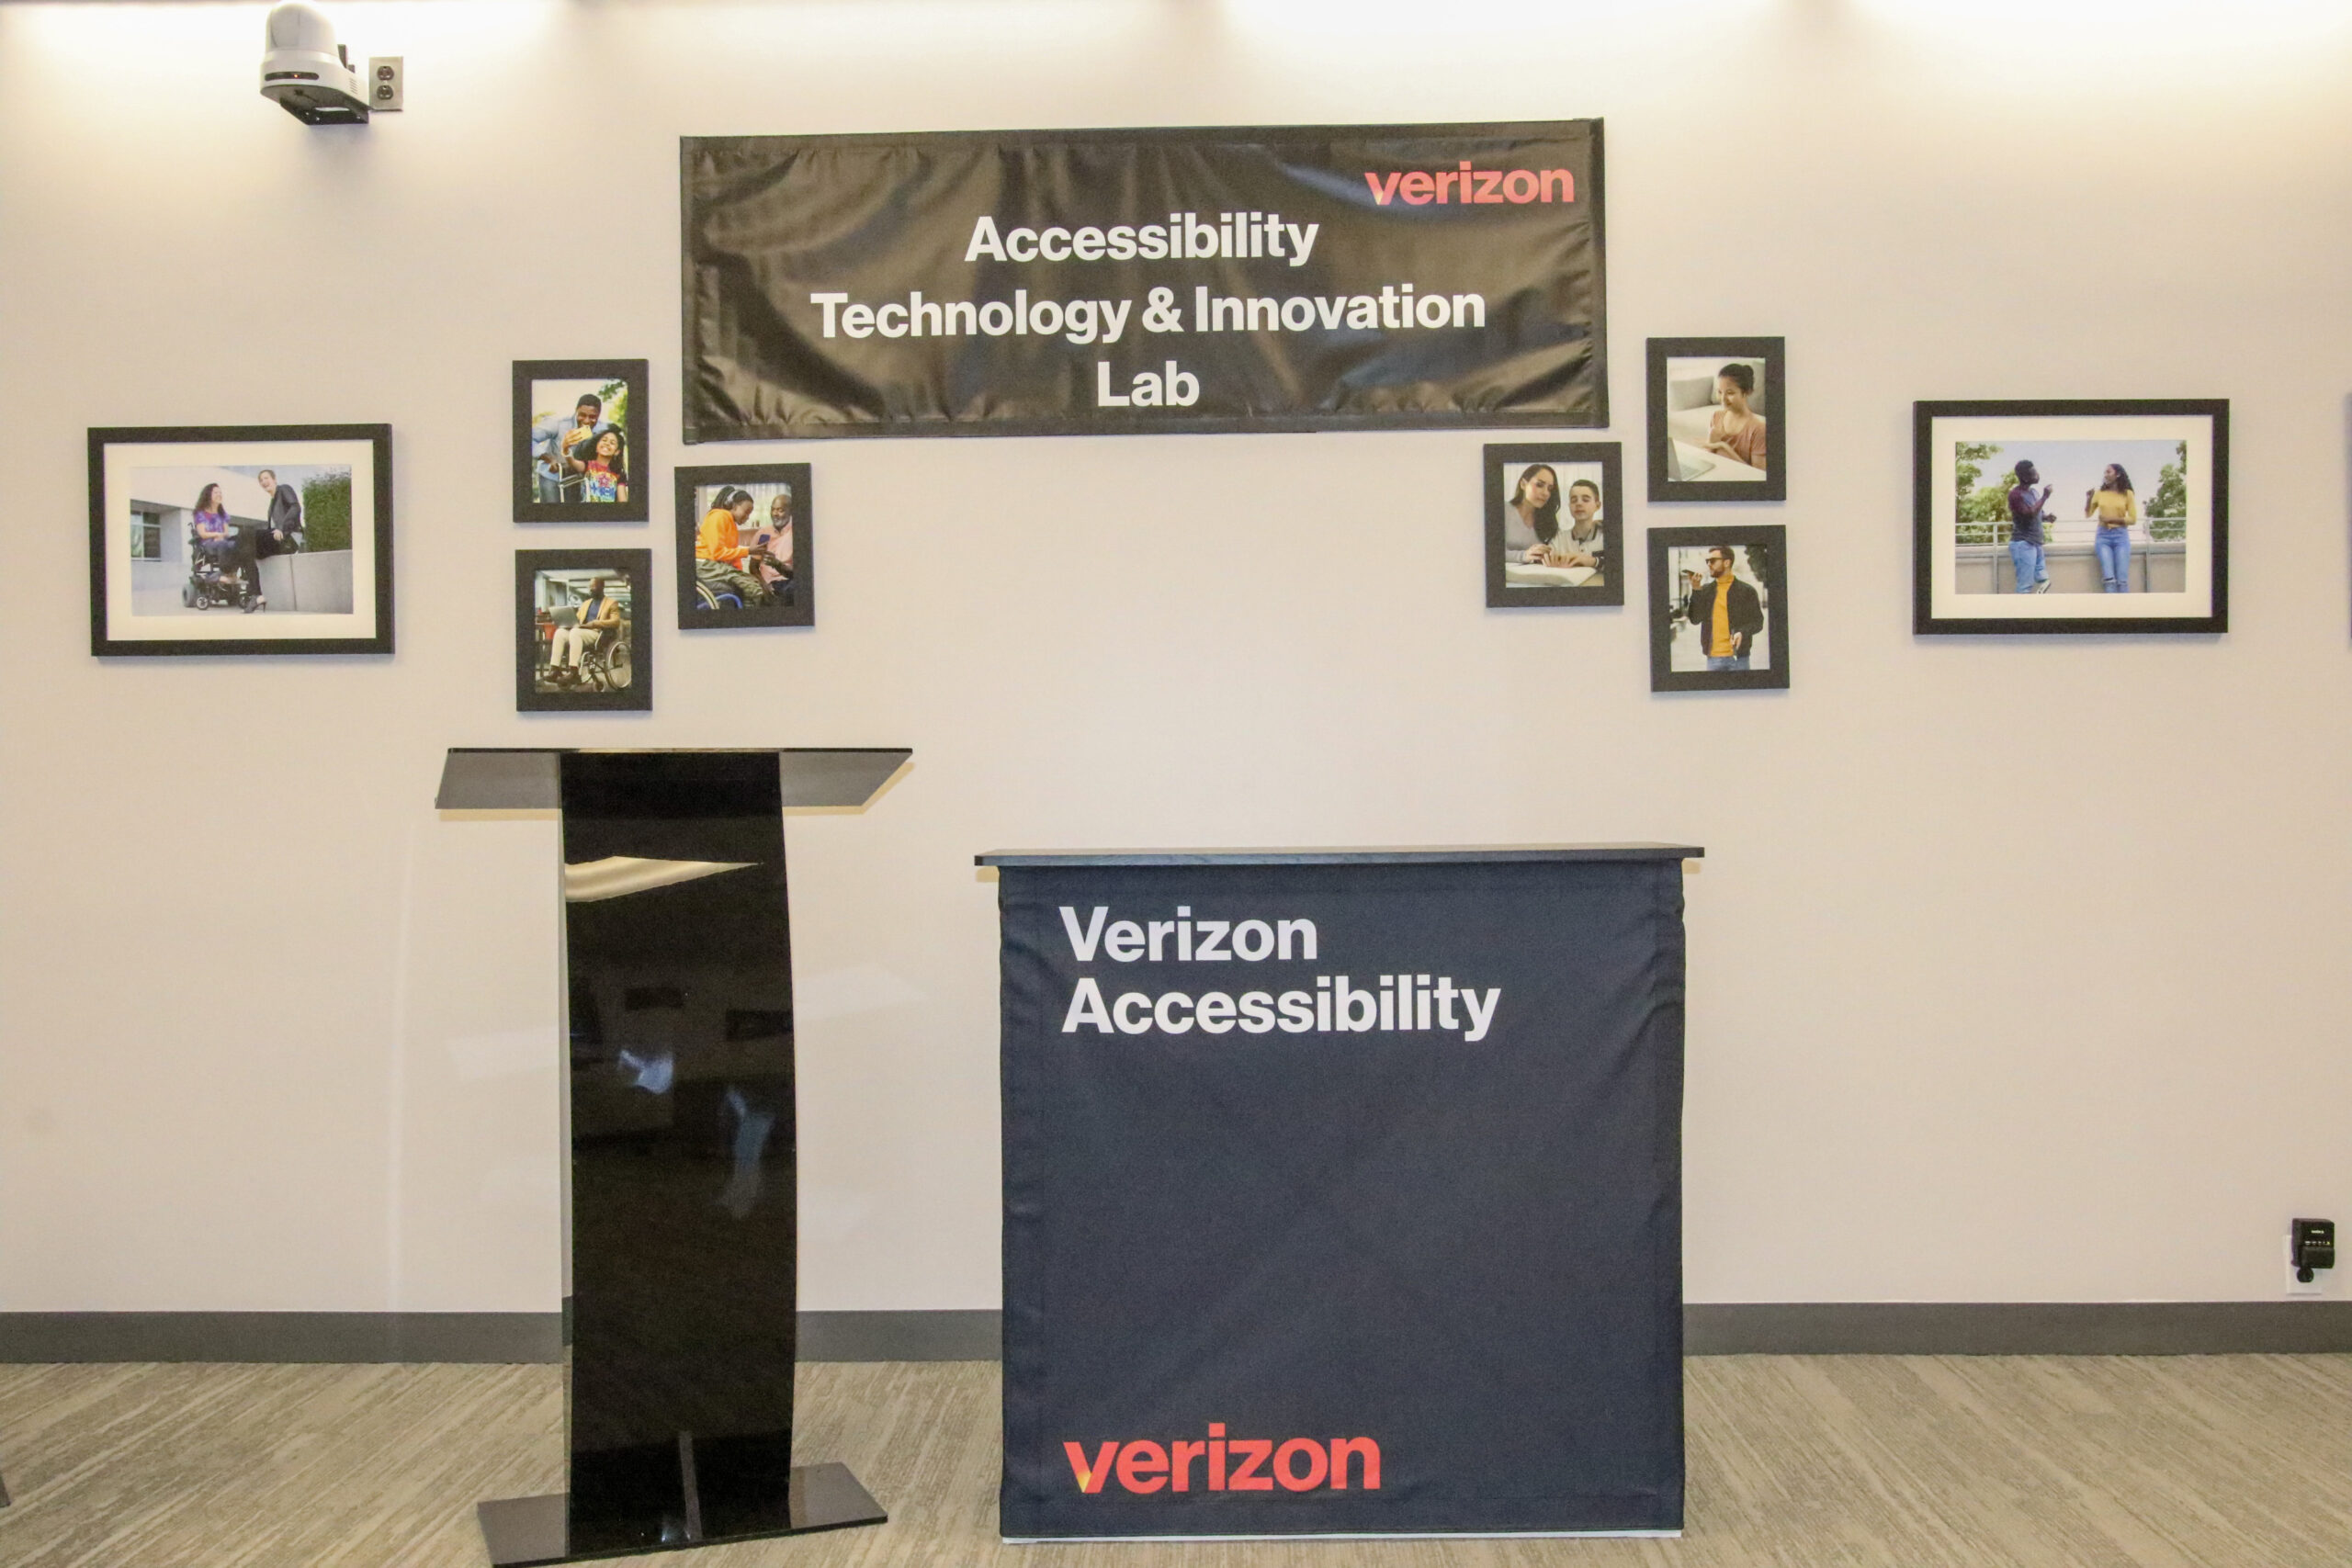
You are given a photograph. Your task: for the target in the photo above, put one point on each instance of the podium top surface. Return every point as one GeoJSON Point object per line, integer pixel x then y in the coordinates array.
{"type": "Point", "coordinates": [1402, 856]}
{"type": "Point", "coordinates": [815, 778]}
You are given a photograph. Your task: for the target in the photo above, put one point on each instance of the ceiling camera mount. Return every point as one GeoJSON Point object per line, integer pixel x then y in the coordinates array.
{"type": "Point", "coordinates": [306, 72]}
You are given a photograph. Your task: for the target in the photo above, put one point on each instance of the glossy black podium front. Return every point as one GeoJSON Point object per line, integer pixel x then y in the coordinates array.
{"type": "Point", "coordinates": [681, 1193]}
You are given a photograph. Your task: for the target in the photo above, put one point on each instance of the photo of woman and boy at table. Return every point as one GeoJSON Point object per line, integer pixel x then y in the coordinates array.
{"type": "Point", "coordinates": [743, 546]}
{"type": "Point", "coordinates": [1550, 519]}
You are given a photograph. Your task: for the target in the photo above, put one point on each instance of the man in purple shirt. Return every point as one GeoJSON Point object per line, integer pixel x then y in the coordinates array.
{"type": "Point", "coordinates": [2026, 518]}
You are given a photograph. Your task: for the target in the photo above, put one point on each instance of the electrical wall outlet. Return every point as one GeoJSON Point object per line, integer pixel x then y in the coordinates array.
{"type": "Point", "coordinates": [387, 84]}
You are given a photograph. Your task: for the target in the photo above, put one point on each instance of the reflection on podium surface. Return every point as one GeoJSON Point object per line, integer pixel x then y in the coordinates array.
{"type": "Point", "coordinates": [683, 1197]}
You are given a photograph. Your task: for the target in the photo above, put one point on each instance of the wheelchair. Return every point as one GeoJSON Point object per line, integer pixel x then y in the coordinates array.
{"type": "Point", "coordinates": [607, 667]}
{"type": "Point", "coordinates": [211, 585]}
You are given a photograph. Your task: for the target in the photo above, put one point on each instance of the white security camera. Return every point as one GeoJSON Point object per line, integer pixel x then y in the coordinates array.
{"type": "Point", "coordinates": [307, 72]}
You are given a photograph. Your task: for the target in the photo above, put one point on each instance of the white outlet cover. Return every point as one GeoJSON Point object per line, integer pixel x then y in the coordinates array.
{"type": "Point", "coordinates": [378, 84]}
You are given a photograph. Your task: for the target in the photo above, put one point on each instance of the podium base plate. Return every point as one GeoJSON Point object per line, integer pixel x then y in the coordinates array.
{"type": "Point", "coordinates": [521, 1531]}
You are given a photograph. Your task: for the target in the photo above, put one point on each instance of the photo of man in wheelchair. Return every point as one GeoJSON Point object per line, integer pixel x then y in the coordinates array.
{"type": "Point", "coordinates": [584, 628]}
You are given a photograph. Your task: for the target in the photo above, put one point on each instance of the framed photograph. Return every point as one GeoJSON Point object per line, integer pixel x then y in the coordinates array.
{"type": "Point", "coordinates": [579, 441]}
{"type": "Point", "coordinates": [1719, 422]}
{"type": "Point", "coordinates": [746, 551]}
{"type": "Point", "coordinates": [581, 642]}
{"type": "Point", "coordinates": [1719, 609]}
{"type": "Point", "coordinates": [1552, 529]}
{"type": "Point", "coordinates": [2077, 516]}
{"type": "Point", "coordinates": [241, 539]}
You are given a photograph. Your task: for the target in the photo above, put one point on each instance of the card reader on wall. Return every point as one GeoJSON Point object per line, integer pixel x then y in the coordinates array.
{"type": "Point", "coordinates": [2312, 1245]}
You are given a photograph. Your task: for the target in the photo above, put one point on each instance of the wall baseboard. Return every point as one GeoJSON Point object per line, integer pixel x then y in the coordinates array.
{"type": "Point", "coordinates": [2018, 1329]}
{"type": "Point", "coordinates": [1800, 1328]}
{"type": "Point", "coordinates": [281, 1336]}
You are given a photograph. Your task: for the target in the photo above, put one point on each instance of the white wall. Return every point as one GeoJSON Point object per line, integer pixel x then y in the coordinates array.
{"type": "Point", "coordinates": [2018, 968]}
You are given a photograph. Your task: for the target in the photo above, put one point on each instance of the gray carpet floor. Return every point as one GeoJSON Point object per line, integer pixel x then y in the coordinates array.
{"type": "Point", "coordinates": [1803, 1461]}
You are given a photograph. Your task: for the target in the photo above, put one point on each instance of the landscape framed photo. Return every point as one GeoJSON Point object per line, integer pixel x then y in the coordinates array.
{"type": "Point", "coordinates": [581, 642]}
{"type": "Point", "coordinates": [579, 441]}
{"type": "Point", "coordinates": [1553, 530]}
{"type": "Point", "coordinates": [2074, 517]}
{"type": "Point", "coordinates": [1718, 419]}
{"type": "Point", "coordinates": [241, 539]}
{"type": "Point", "coordinates": [746, 545]}
{"type": "Point", "coordinates": [1719, 608]}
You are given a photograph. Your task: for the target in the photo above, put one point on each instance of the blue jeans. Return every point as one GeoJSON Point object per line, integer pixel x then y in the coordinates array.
{"type": "Point", "coordinates": [2030, 565]}
{"type": "Point", "coordinates": [2115, 559]}
{"type": "Point", "coordinates": [1726, 661]}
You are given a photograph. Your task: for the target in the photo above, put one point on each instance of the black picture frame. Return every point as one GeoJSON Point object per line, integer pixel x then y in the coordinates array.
{"type": "Point", "coordinates": [158, 553]}
{"type": "Point", "coordinates": [530, 506]}
{"type": "Point", "coordinates": [1668, 605]}
{"type": "Point", "coordinates": [700, 607]}
{"type": "Point", "coordinates": [1499, 461]}
{"type": "Point", "coordinates": [610, 687]}
{"type": "Point", "coordinates": [1664, 483]}
{"type": "Point", "coordinates": [1950, 594]}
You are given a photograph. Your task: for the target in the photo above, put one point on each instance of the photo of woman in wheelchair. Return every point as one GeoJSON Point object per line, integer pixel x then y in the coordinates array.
{"type": "Point", "coordinates": [736, 570]}
{"type": "Point", "coordinates": [584, 634]}
{"type": "Point", "coordinates": [223, 570]}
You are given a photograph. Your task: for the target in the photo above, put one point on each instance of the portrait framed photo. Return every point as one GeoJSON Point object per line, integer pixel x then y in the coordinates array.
{"type": "Point", "coordinates": [746, 545]}
{"type": "Point", "coordinates": [1719, 609]}
{"type": "Point", "coordinates": [1718, 419]}
{"type": "Point", "coordinates": [1553, 534]}
{"type": "Point", "coordinates": [2079, 516]}
{"type": "Point", "coordinates": [241, 539]}
{"type": "Point", "coordinates": [581, 642]}
{"type": "Point", "coordinates": [580, 441]}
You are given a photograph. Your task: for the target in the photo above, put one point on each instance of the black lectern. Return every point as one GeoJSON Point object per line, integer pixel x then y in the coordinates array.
{"type": "Point", "coordinates": [678, 1107]}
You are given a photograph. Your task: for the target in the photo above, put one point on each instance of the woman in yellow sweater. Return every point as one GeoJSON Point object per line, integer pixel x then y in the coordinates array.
{"type": "Point", "coordinates": [723, 563]}
{"type": "Point", "coordinates": [2117, 509]}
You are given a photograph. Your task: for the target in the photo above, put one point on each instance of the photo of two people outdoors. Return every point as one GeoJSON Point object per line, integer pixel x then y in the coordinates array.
{"type": "Point", "coordinates": [246, 538]}
{"type": "Point", "coordinates": [2070, 517]}
{"type": "Point", "coordinates": [579, 441]}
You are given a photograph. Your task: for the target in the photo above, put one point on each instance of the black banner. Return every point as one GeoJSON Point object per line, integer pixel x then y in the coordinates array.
{"type": "Point", "coordinates": [1342, 1199]}
{"type": "Point", "coordinates": [1138, 281]}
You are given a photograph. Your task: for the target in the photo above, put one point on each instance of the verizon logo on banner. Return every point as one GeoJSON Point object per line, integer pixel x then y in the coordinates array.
{"type": "Point", "coordinates": [1220, 1464]}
